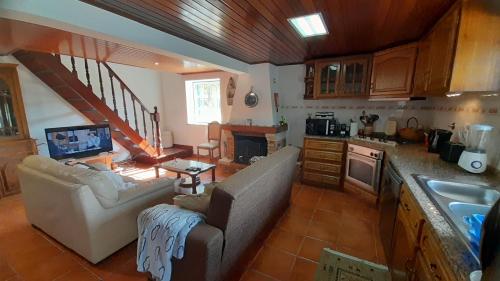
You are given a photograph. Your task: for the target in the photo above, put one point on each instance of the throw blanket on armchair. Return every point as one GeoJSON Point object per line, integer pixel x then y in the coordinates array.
{"type": "Point", "coordinates": [162, 234]}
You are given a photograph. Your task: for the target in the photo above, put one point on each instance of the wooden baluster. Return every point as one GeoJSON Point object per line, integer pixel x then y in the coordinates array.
{"type": "Point", "coordinates": [112, 90]}
{"type": "Point", "coordinates": [73, 66]}
{"type": "Point", "coordinates": [103, 99]}
{"type": "Point", "coordinates": [152, 127]}
{"type": "Point", "coordinates": [124, 102]}
{"type": "Point", "coordinates": [157, 144]}
{"type": "Point", "coordinates": [87, 73]}
{"type": "Point", "coordinates": [135, 114]}
{"type": "Point", "coordinates": [144, 123]}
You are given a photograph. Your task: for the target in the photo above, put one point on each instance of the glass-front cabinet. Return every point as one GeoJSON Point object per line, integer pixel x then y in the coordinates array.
{"type": "Point", "coordinates": [341, 77]}
{"type": "Point", "coordinates": [327, 79]}
{"type": "Point", "coordinates": [15, 142]}
{"type": "Point", "coordinates": [354, 76]}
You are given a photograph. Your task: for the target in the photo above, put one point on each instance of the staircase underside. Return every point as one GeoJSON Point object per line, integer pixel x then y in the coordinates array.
{"type": "Point", "coordinates": [53, 73]}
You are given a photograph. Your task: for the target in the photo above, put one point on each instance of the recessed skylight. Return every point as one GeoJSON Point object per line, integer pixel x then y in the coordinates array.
{"type": "Point", "coordinates": [310, 25]}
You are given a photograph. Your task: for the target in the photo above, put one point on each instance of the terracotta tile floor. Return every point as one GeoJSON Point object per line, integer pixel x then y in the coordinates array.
{"type": "Point", "coordinates": [317, 218]}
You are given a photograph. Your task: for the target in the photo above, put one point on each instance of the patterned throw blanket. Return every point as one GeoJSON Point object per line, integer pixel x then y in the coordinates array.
{"type": "Point", "coordinates": [162, 234]}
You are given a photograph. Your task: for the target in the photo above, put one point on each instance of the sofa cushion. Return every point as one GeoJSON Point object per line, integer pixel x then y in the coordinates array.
{"type": "Point", "coordinates": [49, 166]}
{"type": "Point", "coordinates": [104, 185]}
{"type": "Point", "coordinates": [196, 202]}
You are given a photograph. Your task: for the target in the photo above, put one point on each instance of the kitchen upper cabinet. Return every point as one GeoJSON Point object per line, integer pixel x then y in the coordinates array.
{"type": "Point", "coordinates": [392, 71]}
{"type": "Point", "coordinates": [354, 76]}
{"type": "Point", "coordinates": [435, 57]}
{"type": "Point", "coordinates": [441, 52]}
{"type": "Point", "coordinates": [461, 52]}
{"type": "Point", "coordinates": [327, 79]}
{"type": "Point", "coordinates": [338, 77]}
{"type": "Point", "coordinates": [421, 77]}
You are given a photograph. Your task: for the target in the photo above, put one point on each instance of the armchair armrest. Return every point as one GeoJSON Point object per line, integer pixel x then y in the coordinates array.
{"type": "Point", "coordinates": [202, 255]}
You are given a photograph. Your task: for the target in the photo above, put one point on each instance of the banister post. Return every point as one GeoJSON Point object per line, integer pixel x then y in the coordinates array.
{"type": "Point", "coordinates": [156, 118]}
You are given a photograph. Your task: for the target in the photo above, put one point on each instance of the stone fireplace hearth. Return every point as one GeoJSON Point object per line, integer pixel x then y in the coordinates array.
{"type": "Point", "coordinates": [275, 137]}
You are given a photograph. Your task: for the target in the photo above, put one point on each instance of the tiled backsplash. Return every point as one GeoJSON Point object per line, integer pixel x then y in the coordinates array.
{"type": "Point", "coordinates": [431, 113]}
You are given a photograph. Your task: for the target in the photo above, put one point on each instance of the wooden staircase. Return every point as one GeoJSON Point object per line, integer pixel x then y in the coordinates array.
{"type": "Point", "coordinates": [133, 125]}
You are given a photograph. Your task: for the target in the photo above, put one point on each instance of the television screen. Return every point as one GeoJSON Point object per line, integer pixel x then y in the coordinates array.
{"type": "Point", "coordinates": [78, 141]}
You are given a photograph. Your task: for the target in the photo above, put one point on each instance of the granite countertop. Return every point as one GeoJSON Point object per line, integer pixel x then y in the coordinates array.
{"type": "Point", "coordinates": [411, 159]}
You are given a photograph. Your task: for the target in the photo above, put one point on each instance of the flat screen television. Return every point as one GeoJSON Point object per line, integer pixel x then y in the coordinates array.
{"type": "Point", "coordinates": [78, 141]}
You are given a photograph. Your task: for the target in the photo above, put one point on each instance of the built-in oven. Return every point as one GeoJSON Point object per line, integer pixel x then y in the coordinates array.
{"type": "Point", "coordinates": [363, 167]}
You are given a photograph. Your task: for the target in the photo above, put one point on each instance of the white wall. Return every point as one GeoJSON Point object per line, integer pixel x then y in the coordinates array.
{"type": "Point", "coordinates": [46, 109]}
{"type": "Point", "coordinates": [260, 77]}
{"type": "Point", "coordinates": [174, 103]}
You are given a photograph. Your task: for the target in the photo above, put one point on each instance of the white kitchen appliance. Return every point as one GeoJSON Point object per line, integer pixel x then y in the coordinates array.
{"type": "Point", "coordinates": [363, 167]}
{"type": "Point", "coordinates": [474, 159]}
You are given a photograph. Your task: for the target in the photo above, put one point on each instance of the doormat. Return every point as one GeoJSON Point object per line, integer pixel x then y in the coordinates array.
{"type": "Point", "coordinates": [336, 266]}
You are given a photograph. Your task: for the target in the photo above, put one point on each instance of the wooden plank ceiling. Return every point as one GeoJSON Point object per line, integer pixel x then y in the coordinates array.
{"type": "Point", "coordinates": [32, 37]}
{"type": "Point", "coordinates": [256, 31]}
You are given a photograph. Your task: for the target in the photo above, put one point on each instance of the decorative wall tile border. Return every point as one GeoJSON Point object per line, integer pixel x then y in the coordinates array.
{"type": "Point", "coordinates": [457, 109]}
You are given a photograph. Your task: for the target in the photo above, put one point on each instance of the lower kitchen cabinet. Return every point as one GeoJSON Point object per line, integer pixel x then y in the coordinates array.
{"type": "Point", "coordinates": [323, 162]}
{"type": "Point", "coordinates": [404, 249]}
{"type": "Point", "coordinates": [416, 254]}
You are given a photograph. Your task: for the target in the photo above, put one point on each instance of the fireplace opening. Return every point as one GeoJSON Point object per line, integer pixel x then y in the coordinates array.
{"type": "Point", "coordinates": [246, 147]}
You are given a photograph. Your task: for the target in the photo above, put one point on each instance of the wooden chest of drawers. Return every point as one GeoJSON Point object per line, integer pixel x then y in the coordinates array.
{"type": "Point", "coordinates": [323, 162]}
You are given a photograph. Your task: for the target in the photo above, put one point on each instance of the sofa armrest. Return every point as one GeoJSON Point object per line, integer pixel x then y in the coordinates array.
{"type": "Point", "coordinates": [202, 255]}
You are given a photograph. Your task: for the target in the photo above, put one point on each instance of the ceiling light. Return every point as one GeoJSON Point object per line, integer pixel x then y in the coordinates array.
{"type": "Point", "coordinates": [157, 63]}
{"type": "Point", "coordinates": [310, 25]}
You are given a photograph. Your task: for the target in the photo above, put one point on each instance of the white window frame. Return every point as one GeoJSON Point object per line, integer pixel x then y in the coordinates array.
{"type": "Point", "coordinates": [192, 117]}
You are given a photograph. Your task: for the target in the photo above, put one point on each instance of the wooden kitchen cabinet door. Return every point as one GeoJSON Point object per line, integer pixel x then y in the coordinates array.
{"type": "Point", "coordinates": [355, 76]}
{"type": "Point", "coordinates": [422, 70]}
{"type": "Point", "coordinates": [392, 71]}
{"type": "Point", "coordinates": [441, 54]}
{"type": "Point", "coordinates": [327, 79]}
{"type": "Point", "coordinates": [404, 250]}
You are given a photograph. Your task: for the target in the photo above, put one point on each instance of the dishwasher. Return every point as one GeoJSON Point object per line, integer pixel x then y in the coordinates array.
{"type": "Point", "coordinates": [389, 200]}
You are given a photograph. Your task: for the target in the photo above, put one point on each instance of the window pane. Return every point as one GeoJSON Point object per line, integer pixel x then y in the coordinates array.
{"type": "Point", "coordinates": [8, 124]}
{"type": "Point", "coordinates": [203, 101]}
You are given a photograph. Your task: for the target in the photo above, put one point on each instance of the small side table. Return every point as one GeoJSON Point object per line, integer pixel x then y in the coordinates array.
{"type": "Point", "coordinates": [179, 166]}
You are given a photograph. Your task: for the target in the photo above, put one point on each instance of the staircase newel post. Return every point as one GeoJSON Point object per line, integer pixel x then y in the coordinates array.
{"type": "Point", "coordinates": [156, 117]}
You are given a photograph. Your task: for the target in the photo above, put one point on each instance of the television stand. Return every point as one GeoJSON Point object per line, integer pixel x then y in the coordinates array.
{"type": "Point", "coordinates": [105, 158]}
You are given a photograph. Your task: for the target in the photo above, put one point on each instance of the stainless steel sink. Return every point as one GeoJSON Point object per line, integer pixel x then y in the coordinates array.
{"type": "Point", "coordinates": [458, 200]}
{"type": "Point", "coordinates": [463, 192]}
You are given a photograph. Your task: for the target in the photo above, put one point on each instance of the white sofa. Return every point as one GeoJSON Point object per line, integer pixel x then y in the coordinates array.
{"type": "Point", "coordinates": [92, 219]}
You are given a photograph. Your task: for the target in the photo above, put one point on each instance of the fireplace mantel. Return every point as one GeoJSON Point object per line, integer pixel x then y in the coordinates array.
{"type": "Point", "coordinates": [254, 129]}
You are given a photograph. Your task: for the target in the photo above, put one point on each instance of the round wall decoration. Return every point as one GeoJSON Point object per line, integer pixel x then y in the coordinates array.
{"type": "Point", "coordinates": [251, 99]}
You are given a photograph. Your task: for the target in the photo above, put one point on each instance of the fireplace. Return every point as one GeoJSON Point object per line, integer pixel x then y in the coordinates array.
{"type": "Point", "coordinates": [246, 147]}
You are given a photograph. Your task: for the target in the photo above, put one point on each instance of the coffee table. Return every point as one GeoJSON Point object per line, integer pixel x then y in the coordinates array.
{"type": "Point", "coordinates": [179, 166]}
